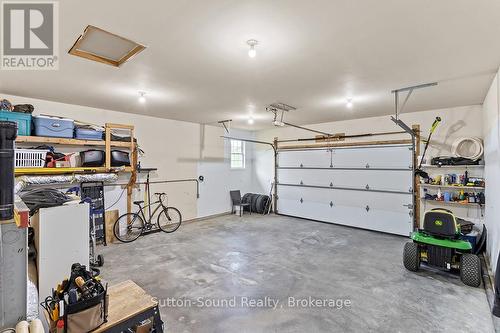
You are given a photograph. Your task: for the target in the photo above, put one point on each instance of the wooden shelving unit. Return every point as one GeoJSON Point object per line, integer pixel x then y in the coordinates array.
{"type": "Point", "coordinates": [428, 166]}
{"type": "Point", "coordinates": [454, 187]}
{"type": "Point", "coordinates": [69, 142]}
{"type": "Point", "coordinates": [60, 171]}
{"type": "Point", "coordinates": [106, 143]}
{"type": "Point", "coordinates": [452, 203]}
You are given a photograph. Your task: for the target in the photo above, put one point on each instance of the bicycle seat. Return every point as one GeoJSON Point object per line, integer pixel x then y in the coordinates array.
{"type": "Point", "coordinates": [158, 193]}
{"type": "Point", "coordinates": [138, 202]}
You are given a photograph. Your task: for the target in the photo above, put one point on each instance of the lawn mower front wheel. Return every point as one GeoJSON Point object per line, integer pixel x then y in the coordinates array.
{"type": "Point", "coordinates": [411, 256]}
{"type": "Point", "coordinates": [470, 270]}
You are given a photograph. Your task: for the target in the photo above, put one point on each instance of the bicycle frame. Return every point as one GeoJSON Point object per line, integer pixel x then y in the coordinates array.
{"type": "Point", "coordinates": [142, 208]}
{"type": "Point", "coordinates": [147, 223]}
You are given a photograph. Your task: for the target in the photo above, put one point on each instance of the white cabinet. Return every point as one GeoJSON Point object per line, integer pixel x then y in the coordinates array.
{"type": "Point", "coordinates": [61, 239]}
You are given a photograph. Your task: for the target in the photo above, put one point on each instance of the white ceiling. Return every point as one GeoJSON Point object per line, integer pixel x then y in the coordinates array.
{"type": "Point", "coordinates": [311, 54]}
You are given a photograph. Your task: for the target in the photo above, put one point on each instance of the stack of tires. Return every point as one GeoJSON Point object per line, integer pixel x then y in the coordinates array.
{"type": "Point", "coordinates": [259, 203]}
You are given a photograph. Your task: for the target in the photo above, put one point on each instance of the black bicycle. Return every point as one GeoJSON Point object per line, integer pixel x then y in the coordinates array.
{"type": "Point", "coordinates": [130, 226]}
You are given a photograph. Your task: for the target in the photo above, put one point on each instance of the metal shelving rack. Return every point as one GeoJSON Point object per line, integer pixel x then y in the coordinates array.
{"type": "Point", "coordinates": [435, 168]}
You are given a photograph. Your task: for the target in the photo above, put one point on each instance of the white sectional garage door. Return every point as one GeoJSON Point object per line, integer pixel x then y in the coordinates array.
{"type": "Point", "coordinates": [367, 187]}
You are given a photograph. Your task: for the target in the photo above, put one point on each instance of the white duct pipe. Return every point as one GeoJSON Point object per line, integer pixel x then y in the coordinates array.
{"type": "Point", "coordinates": [22, 327]}
{"type": "Point", "coordinates": [468, 147]}
{"type": "Point", "coordinates": [36, 326]}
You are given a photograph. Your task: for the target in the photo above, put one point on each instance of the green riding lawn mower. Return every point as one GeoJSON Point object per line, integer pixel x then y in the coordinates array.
{"type": "Point", "coordinates": [444, 243]}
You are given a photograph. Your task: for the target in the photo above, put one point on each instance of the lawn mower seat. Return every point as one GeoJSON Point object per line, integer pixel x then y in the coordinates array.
{"type": "Point", "coordinates": [441, 223]}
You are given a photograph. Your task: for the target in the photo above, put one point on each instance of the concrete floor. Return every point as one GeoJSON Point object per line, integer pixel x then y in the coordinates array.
{"type": "Point", "coordinates": [280, 257]}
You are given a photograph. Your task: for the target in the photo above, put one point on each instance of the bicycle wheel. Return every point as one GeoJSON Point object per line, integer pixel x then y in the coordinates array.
{"type": "Point", "coordinates": [128, 227]}
{"type": "Point", "coordinates": [169, 219]}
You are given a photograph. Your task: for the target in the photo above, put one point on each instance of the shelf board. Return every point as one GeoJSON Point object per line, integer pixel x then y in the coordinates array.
{"type": "Point", "coordinates": [70, 142]}
{"type": "Point", "coordinates": [59, 171]}
{"type": "Point", "coordinates": [452, 203]}
{"type": "Point", "coordinates": [428, 166]}
{"type": "Point", "coordinates": [461, 187]}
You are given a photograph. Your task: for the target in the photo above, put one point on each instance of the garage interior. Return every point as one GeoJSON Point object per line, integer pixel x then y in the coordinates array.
{"type": "Point", "coordinates": [251, 166]}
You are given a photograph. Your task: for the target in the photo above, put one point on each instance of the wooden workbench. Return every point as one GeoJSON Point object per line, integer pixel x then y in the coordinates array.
{"type": "Point", "coordinates": [129, 305]}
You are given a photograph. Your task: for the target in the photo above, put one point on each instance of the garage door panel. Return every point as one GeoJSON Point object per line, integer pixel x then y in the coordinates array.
{"type": "Point", "coordinates": [346, 198]}
{"type": "Point", "coordinates": [380, 180]}
{"type": "Point", "coordinates": [374, 157]}
{"type": "Point", "coordinates": [338, 195]}
{"type": "Point", "coordinates": [306, 158]}
{"type": "Point", "coordinates": [396, 222]}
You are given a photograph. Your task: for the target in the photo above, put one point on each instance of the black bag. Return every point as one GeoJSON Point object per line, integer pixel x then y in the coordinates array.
{"type": "Point", "coordinates": [24, 108]}
{"type": "Point", "coordinates": [91, 310]}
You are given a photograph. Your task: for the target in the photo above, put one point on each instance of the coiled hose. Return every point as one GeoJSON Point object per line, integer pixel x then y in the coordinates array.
{"type": "Point", "coordinates": [468, 147]}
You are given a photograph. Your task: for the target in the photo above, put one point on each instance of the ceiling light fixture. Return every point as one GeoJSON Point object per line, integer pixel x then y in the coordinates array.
{"type": "Point", "coordinates": [349, 103]}
{"type": "Point", "coordinates": [142, 97]}
{"type": "Point", "coordinates": [250, 121]}
{"type": "Point", "coordinates": [252, 43]}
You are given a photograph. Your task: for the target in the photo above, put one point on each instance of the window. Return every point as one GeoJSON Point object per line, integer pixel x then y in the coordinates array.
{"type": "Point", "coordinates": [237, 154]}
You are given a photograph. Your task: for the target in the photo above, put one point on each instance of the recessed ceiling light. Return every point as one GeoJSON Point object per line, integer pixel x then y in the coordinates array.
{"type": "Point", "coordinates": [250, 121]}
{"type": "Point", "coordinates": [349, 103]}
{"type": "Point", "coordinates": [142, 97]}
{"type": "Point", "coordinates": [105, 47]}
{"type": "Point", "coordinates": [252, 43]}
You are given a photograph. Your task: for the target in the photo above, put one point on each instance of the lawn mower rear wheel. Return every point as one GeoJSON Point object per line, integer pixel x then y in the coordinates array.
{"type": "Point", "coordinates": [470, 270]}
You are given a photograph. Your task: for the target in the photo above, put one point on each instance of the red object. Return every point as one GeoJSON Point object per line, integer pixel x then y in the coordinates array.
{"type": "Point", "coordinates": [60, 326]}
{"type": "Point", "coordinates": [51, 161]}
{"type": "Point", "coordinates": [21, 213]}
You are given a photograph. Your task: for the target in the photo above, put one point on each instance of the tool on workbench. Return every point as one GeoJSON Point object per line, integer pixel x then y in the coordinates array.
{"type": "Point", "coordinates": [80, 302]}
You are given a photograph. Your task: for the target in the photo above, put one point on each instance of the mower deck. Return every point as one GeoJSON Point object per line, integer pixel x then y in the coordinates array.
{"type": "Point", "coordinates": [457, 244]}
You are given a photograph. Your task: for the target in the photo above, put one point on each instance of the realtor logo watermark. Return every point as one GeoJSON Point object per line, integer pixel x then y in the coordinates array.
{"type": "Point", "coordinates": [30, 35]}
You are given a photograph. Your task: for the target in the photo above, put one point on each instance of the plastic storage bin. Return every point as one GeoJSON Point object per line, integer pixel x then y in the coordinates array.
{"type": "Point", "coordinates": [88, 134]}
{"type": "Point", "coordinates": [30, 158]}
{"type": "Point", "coordinates": [92, 158]}
{"type": "Point", "coordinates": [53, 126]}
{"type": "Point", "coordinates": [119, 158]}
{"type": "Point", "coordinates": [23, 121]}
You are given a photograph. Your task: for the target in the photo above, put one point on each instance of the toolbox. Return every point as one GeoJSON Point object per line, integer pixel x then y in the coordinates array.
{"type": "Point", "coordinates": [53, 126]}
{"type": "Point", "coordinates": [87, 133]}
{"type": "Point", "coordinates": [23, 121]}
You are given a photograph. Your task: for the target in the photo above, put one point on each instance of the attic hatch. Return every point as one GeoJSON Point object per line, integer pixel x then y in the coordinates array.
{"type": "Point", "coordinates": [105, 47]}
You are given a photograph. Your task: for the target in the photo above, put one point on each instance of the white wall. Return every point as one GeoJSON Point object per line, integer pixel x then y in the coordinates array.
{"type": "Point", "coordinates": [491, 111]}
{"type": "Point", "coordinates": [215, 166]}
{"type": "Point", "coordinates": [456, 122]}
{"type": "Point", "coordinates": [178, 149]}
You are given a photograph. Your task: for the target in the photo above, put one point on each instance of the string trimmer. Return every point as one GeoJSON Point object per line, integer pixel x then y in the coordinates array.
{"type": "Point", "coordinates": [419, 171]}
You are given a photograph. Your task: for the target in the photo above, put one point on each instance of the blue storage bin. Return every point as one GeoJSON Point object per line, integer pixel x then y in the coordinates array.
{"type": "Point", "coordinates": [472, 238]}
{"type": "Point", "coordinates": [23, 121]}
{"type": "Point", "coordinates": [83, 133]}
{"type": "Point", "coordinates": [53, 126]}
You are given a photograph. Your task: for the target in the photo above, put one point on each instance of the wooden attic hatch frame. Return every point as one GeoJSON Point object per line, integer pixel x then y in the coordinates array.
{"type": "Point", "coordinates": [102, 46]}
